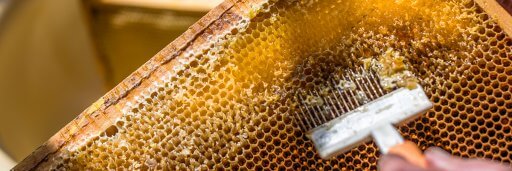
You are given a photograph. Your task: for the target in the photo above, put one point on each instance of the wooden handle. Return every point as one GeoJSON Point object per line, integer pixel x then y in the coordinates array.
{"type": "Point", "coordinates": [410, 152]}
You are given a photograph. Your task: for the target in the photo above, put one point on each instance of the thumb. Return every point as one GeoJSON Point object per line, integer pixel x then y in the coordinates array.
{"type": "Point", "coordinates": [441, 160]}
{"type": "Point", "coordinates": [390, 162]}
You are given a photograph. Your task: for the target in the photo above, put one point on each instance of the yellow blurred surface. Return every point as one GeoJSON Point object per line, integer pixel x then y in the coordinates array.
{"type": "Point", "coordinates": [48, 72]}
{"type": "Point", "coordinates": [183, 5]}
{"type": "Point", "coordinates": [126, 37]}
{"type": "Point", "coordinates": [59, 56]}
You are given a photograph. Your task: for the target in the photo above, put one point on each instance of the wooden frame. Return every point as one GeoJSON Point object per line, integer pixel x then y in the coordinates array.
{"type": "Point", "coordinates": [496, 11]}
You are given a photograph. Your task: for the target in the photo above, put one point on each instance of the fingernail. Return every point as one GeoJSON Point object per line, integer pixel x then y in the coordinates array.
{"type": "Point", "coordinates": [387, 158]}
{"type": "Point", "coordinates": [437, 152]}
{"type": "Point", "coordinates": [383, 160]}
{"type": "Point", "coordinates": [439, 158]}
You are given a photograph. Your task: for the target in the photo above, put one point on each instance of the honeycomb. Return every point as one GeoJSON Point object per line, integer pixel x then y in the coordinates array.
{"type": "Point", "coordinates": [229, 104]}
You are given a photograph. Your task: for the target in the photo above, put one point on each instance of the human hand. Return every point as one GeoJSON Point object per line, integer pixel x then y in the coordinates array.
{"type": "Point", "coordinates": [440, 160]}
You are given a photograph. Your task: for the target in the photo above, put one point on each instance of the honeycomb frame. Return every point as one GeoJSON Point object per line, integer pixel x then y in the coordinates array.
{"type": "Point", "coordinates": [102, 113]}
{"type": "Point", "coordinates": [99, 119]}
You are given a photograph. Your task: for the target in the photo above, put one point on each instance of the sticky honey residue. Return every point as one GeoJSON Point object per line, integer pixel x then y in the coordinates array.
{"type": "Point", "coordinates": [392, 70]}
{"type": "Point", "coordinates": [346, 85]}
{"type": "Point", "coordinates": [313, 101]}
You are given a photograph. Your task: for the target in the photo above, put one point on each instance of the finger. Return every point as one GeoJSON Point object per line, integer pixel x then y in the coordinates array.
{"type": "Point", "coordinates": [391, 162]}
{"type": "Point", "coordinates": [483, 164]}
{"type": "Point", "coordinates": [439, 159]}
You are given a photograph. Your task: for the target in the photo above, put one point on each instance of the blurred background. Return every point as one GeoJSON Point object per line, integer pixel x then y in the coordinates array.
{"type": "Point", "coordinates": [59, 56]}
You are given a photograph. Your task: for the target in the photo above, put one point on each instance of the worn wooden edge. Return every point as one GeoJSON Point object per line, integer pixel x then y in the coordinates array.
{"type": "Point", "coordinates": [496, 11]}
{"type": "Point", "coordinates": [103, 113]}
